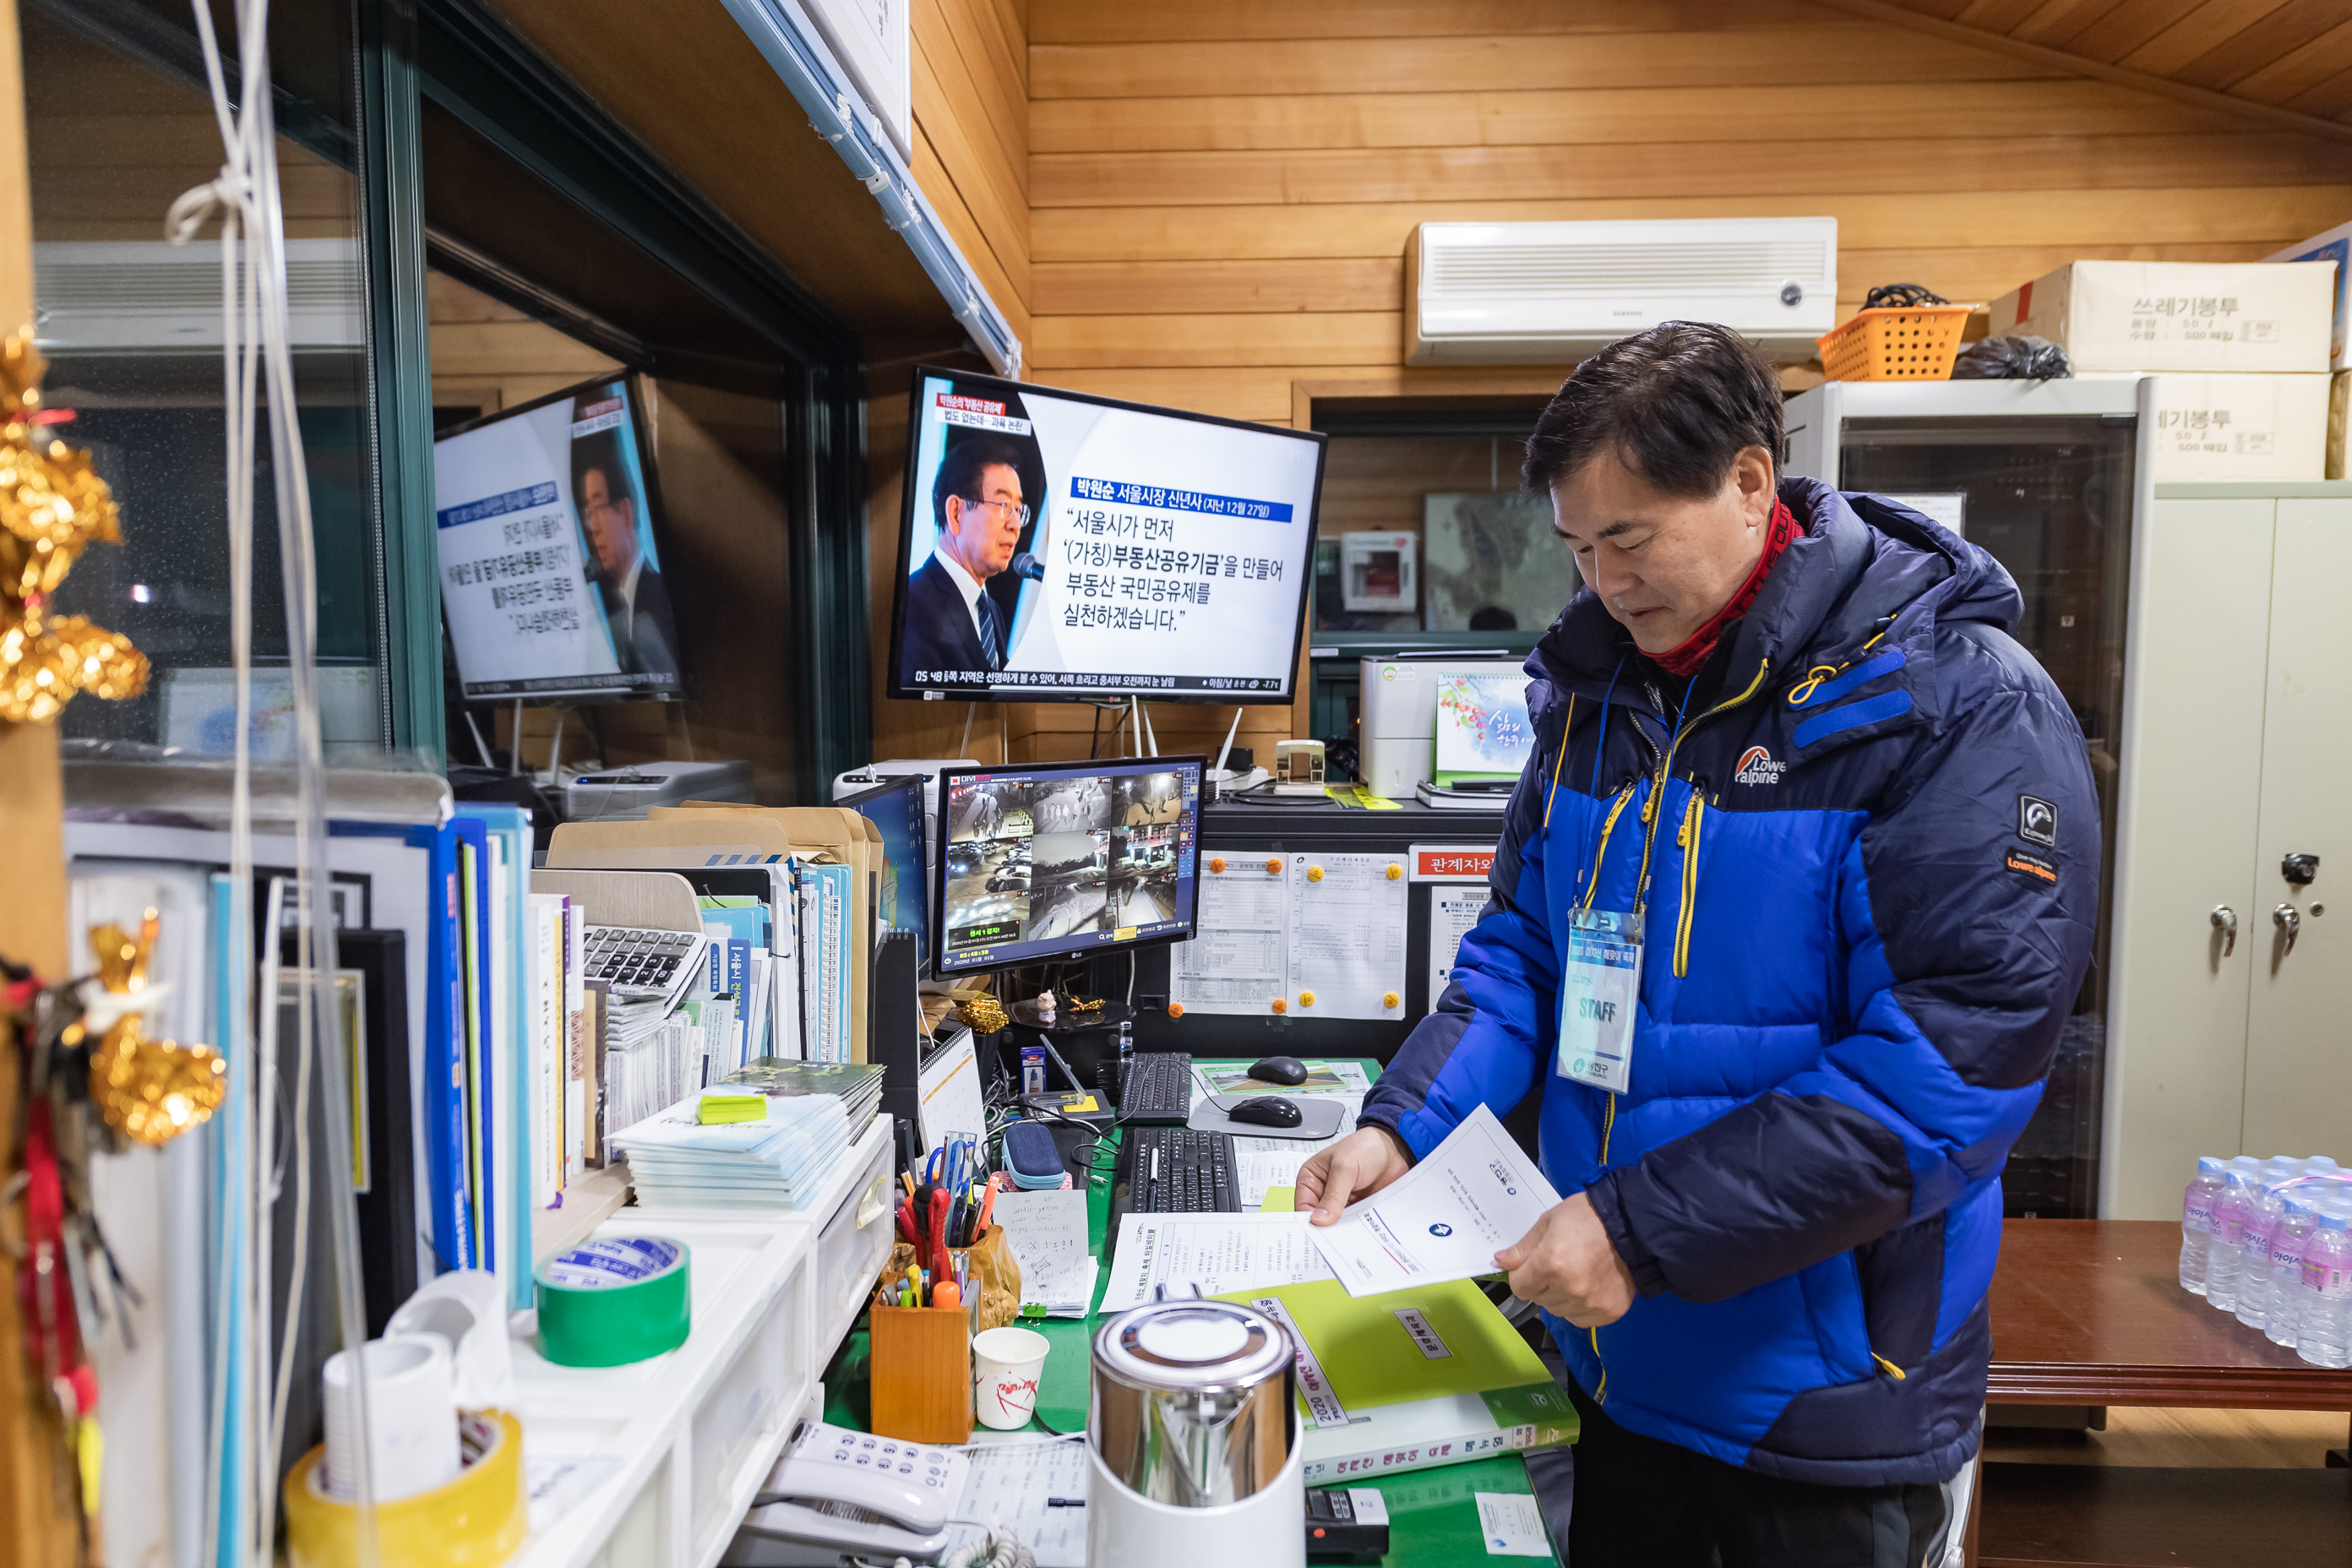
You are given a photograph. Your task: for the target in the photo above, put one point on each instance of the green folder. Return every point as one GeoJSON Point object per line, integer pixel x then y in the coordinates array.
{"type": "Point", "coordinates": [1423, 1343]}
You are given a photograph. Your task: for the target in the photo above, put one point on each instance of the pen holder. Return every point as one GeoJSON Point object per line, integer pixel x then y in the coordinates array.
{"type": "Point", "coordinates": [921, 1371]}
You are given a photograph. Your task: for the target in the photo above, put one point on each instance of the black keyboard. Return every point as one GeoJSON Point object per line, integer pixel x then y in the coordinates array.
{"type": "Point", "coordinates": [1159, 1088]}
{"type": "Point", "coordinates": [1174, 1170]}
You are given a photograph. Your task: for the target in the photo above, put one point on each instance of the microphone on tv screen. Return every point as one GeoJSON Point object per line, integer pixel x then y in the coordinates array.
{"type": "Point", "coordinates": [1027, 565]}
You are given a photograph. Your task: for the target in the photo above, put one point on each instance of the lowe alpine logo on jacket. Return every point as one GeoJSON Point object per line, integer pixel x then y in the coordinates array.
{"type": "Point", "coordinates": [1757, 767]}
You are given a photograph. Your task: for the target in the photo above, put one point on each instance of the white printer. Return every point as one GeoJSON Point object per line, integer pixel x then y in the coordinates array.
{"type": "Point", "coordinates": [1397, 742]}
{"type": "Point", "coordinates": [625, 794]}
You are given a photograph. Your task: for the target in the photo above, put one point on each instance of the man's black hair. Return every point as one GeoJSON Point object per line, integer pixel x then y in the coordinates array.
{"type": "Point", "coordinates": [600, 451]}
{"type": "Point", "coordinates": [961, 465]}
{"type": "Point", "coordinates": [1676, 403]}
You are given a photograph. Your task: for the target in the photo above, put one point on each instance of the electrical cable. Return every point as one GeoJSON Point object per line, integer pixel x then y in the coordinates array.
{"type": "Point", "coordinates": [998, 1547]}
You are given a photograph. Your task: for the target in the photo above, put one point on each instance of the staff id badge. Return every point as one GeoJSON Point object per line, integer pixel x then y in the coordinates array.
{"type": "Point", "coordinates": [1600, 986]}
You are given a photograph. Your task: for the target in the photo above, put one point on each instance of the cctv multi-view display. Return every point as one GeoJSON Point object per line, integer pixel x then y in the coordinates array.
{"type": "Point", "coordinates": [1055, 545]}
{"type": "Point", "coordinates": [1059, 858]}
{"type": "Point", "coordinates": [550, 577]}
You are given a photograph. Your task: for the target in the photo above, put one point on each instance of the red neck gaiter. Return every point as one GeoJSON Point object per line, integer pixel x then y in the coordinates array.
{"type": "Point", "coordinates": [1686, 659]}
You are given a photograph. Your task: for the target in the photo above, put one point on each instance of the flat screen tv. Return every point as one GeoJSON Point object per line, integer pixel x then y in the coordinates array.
{"type": "Point", "coordinates": [1054, 545]}
{"type": "Point", "coordinates": [548, 523]}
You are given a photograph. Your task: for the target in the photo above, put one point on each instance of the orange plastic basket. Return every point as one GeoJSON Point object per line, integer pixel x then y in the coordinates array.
{"type": "Point", "coordinates": [1914, 344]}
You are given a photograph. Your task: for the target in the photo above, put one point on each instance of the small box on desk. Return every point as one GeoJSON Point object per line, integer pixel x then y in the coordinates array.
{"type": "Point", "coordinates": [921, 1371]}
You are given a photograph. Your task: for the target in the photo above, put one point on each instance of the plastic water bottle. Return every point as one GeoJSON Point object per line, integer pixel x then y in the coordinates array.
{"type": "Point", "coordinates": [2196, 1221]}
{"type": "Point", "coordinates": [2297, 1222]}
{"type": "Point", "coordinates": [2261, 1224]}
{"type": "Point", "coordinates": [2225, 1248]}
{"type": "Point", "coordinates": [2326, 1292]}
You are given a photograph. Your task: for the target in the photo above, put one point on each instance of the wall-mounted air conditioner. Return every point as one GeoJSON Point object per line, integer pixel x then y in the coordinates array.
{"type": "Point", "coordinates": [1549, 293]}
{"type": "Point", "coordinates": [148, 297]}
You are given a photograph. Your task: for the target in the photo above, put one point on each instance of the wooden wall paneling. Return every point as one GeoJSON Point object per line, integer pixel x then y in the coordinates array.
{"type": "Point", "coordinates": [1824, 54]}
{"type": "Point", "coordinates": [2280, 80]}
{"type": "Point", "coordinates": [932, 173]}
{"type": "Point", "coordinates": [1216, 287]}
{"type": "Point", "coordinates": [2063, 35]}
{"type": "Point", "coordinates": [980, 182]}
{"type": "Point", "coordinates": [2158, 214]}
{"type": "Point", "coordinates": [2163, 51]}
{"type": "Point", "coordinates": [971, 34]}
{"type": "Point", "coordinates": [2247, 50]}
{"type": "Point", "coordinates": [1365, 283]}
{"type": "Point", "coordinates": [1092, 22]}
{"type": "Point", "coordinates": [1740, 169]}
{"type": "Point", "coordinates": [1326, 337]}
{"type": "Point", "coordinates": [1601, 115]}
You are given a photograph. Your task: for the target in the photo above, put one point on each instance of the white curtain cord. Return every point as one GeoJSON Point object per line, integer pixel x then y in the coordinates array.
{"type": "Point", "coordinates": [257, 356]}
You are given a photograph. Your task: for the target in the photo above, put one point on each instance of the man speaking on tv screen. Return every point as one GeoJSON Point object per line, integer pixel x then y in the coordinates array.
{"type": "Point", "coordinates": [953, 622]}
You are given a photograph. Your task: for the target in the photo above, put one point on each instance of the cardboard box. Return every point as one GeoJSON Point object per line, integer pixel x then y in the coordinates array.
{"type": "Point", "coordinates": [2339, 423]}
{"type": "Point", "coordinates": [2241, 426]}
{"type": "Point", "coordinates": [2238, 318]}
{"type": "Point", "coordinates": [2334, 245]}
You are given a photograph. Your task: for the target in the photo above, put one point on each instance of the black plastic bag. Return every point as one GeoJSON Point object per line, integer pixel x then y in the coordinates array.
{"type": "Point", "coordinates": [2012, 359]}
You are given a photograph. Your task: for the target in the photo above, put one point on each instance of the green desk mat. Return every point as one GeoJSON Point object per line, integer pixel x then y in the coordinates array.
{"type": "Point", "coordinates": [1433, 1513]}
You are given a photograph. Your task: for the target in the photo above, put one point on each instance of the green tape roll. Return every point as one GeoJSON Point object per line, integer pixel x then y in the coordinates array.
{"type": "Point", "coordinates": [613, 1301]}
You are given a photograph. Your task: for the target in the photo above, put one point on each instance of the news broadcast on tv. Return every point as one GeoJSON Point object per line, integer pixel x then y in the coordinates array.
{"type": "Point", "coordinates": [1057, 545]}
{"type": "Point", "coordinates": [550, 579]}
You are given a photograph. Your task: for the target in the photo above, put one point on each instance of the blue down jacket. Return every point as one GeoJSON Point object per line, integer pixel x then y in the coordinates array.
{"type": "Point", "coordinates": [1872, 885]}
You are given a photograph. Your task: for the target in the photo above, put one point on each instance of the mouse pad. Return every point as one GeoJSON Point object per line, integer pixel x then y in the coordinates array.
{"type": "Point", "coordinates": [1317, 1119]}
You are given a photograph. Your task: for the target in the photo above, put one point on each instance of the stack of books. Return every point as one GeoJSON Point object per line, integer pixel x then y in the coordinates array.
{"type": "Point", "coordinates": [678, 1161]}
{"type": "Point", "coordinates": [857, 1085]}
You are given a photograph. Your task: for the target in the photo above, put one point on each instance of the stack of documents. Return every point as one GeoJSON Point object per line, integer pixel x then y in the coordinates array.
{"type": "Point", "coordinates": [679, 1162]}
{"type": "Point", "coordinates": [653, 1057]}
{"type": "Point", "coordinates": [1427, 1375]}
{"type": "Point", "coordinates": [857, 1085]}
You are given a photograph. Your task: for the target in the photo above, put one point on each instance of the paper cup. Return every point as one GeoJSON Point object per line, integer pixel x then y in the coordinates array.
{"type": "Point", "coordinates": [1005, 1365]}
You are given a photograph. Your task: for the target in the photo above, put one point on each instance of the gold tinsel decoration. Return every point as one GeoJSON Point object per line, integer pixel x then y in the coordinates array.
{"type": "Point", "coordinates": [982, 1014]}
{"type": "Point", "coordinates": [150, 1090]}
{"type": "Point", "coordinates": [51, 506]}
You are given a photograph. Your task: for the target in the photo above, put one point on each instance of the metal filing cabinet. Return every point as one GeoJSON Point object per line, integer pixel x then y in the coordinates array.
{"type": "Point", "coordinates": [2238, 747]}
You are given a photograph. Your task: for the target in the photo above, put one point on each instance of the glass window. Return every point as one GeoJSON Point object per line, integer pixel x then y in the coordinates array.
{"type": "Point", "coordinates": [120, 124]}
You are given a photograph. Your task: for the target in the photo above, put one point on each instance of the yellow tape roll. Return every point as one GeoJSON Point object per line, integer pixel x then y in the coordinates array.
{"type": "Point", "coordinates": [477, 1519]}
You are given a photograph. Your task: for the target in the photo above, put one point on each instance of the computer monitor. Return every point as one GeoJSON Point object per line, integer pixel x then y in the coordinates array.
{"type": "Point", "coordinates": [547, 520]}
{"type": "Point", "coordinates": [1054, 545]}
{"type": "Point", "coordinates": [1064, 859]}
{"type": "Point", "coordinates": [896, 810]}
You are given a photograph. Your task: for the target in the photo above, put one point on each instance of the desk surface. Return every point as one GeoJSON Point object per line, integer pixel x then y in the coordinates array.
{"type": "Point", "coordinates": [2089, 1311]}
{"type": "Point", "coordinates": [1433, 1513]}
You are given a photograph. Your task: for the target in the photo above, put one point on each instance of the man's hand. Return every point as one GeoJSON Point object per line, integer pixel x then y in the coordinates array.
{"type": "Point", "coordinates": [1566, 1266]}
{"type": "Point", "coordinates": [1357, 1166]}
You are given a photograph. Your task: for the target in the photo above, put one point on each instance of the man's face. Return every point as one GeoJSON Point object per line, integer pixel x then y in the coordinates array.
{"type": "Point", "coordinates": [982, 533]}
{"type": "Point", "coordinates": [1664, 563]}
{"type": "Point", "coordinates": [612, 525]}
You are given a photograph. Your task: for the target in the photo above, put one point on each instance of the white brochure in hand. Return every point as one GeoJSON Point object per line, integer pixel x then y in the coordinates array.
{"type": "Point", "coordinates": [1445, 1218]}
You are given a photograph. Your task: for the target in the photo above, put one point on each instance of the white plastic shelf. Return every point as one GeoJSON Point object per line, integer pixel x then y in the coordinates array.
{"type": "Point", "coordinates": [654, 1464]}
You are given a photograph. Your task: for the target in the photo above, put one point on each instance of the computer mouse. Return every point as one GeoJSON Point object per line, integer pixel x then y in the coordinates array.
{"type": "Point", "coordinates": [1266, 1111]}
{"type": "Point", "coordinates": [1279, 1070]}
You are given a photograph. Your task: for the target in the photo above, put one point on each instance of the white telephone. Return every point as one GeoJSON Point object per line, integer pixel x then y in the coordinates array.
{"type": "Point", "coordinates": [838, 1493]}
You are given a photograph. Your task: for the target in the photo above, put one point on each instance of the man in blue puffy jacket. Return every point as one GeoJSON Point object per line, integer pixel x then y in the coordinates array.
{"type": "Point", "coordinates": [1790, 903]}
